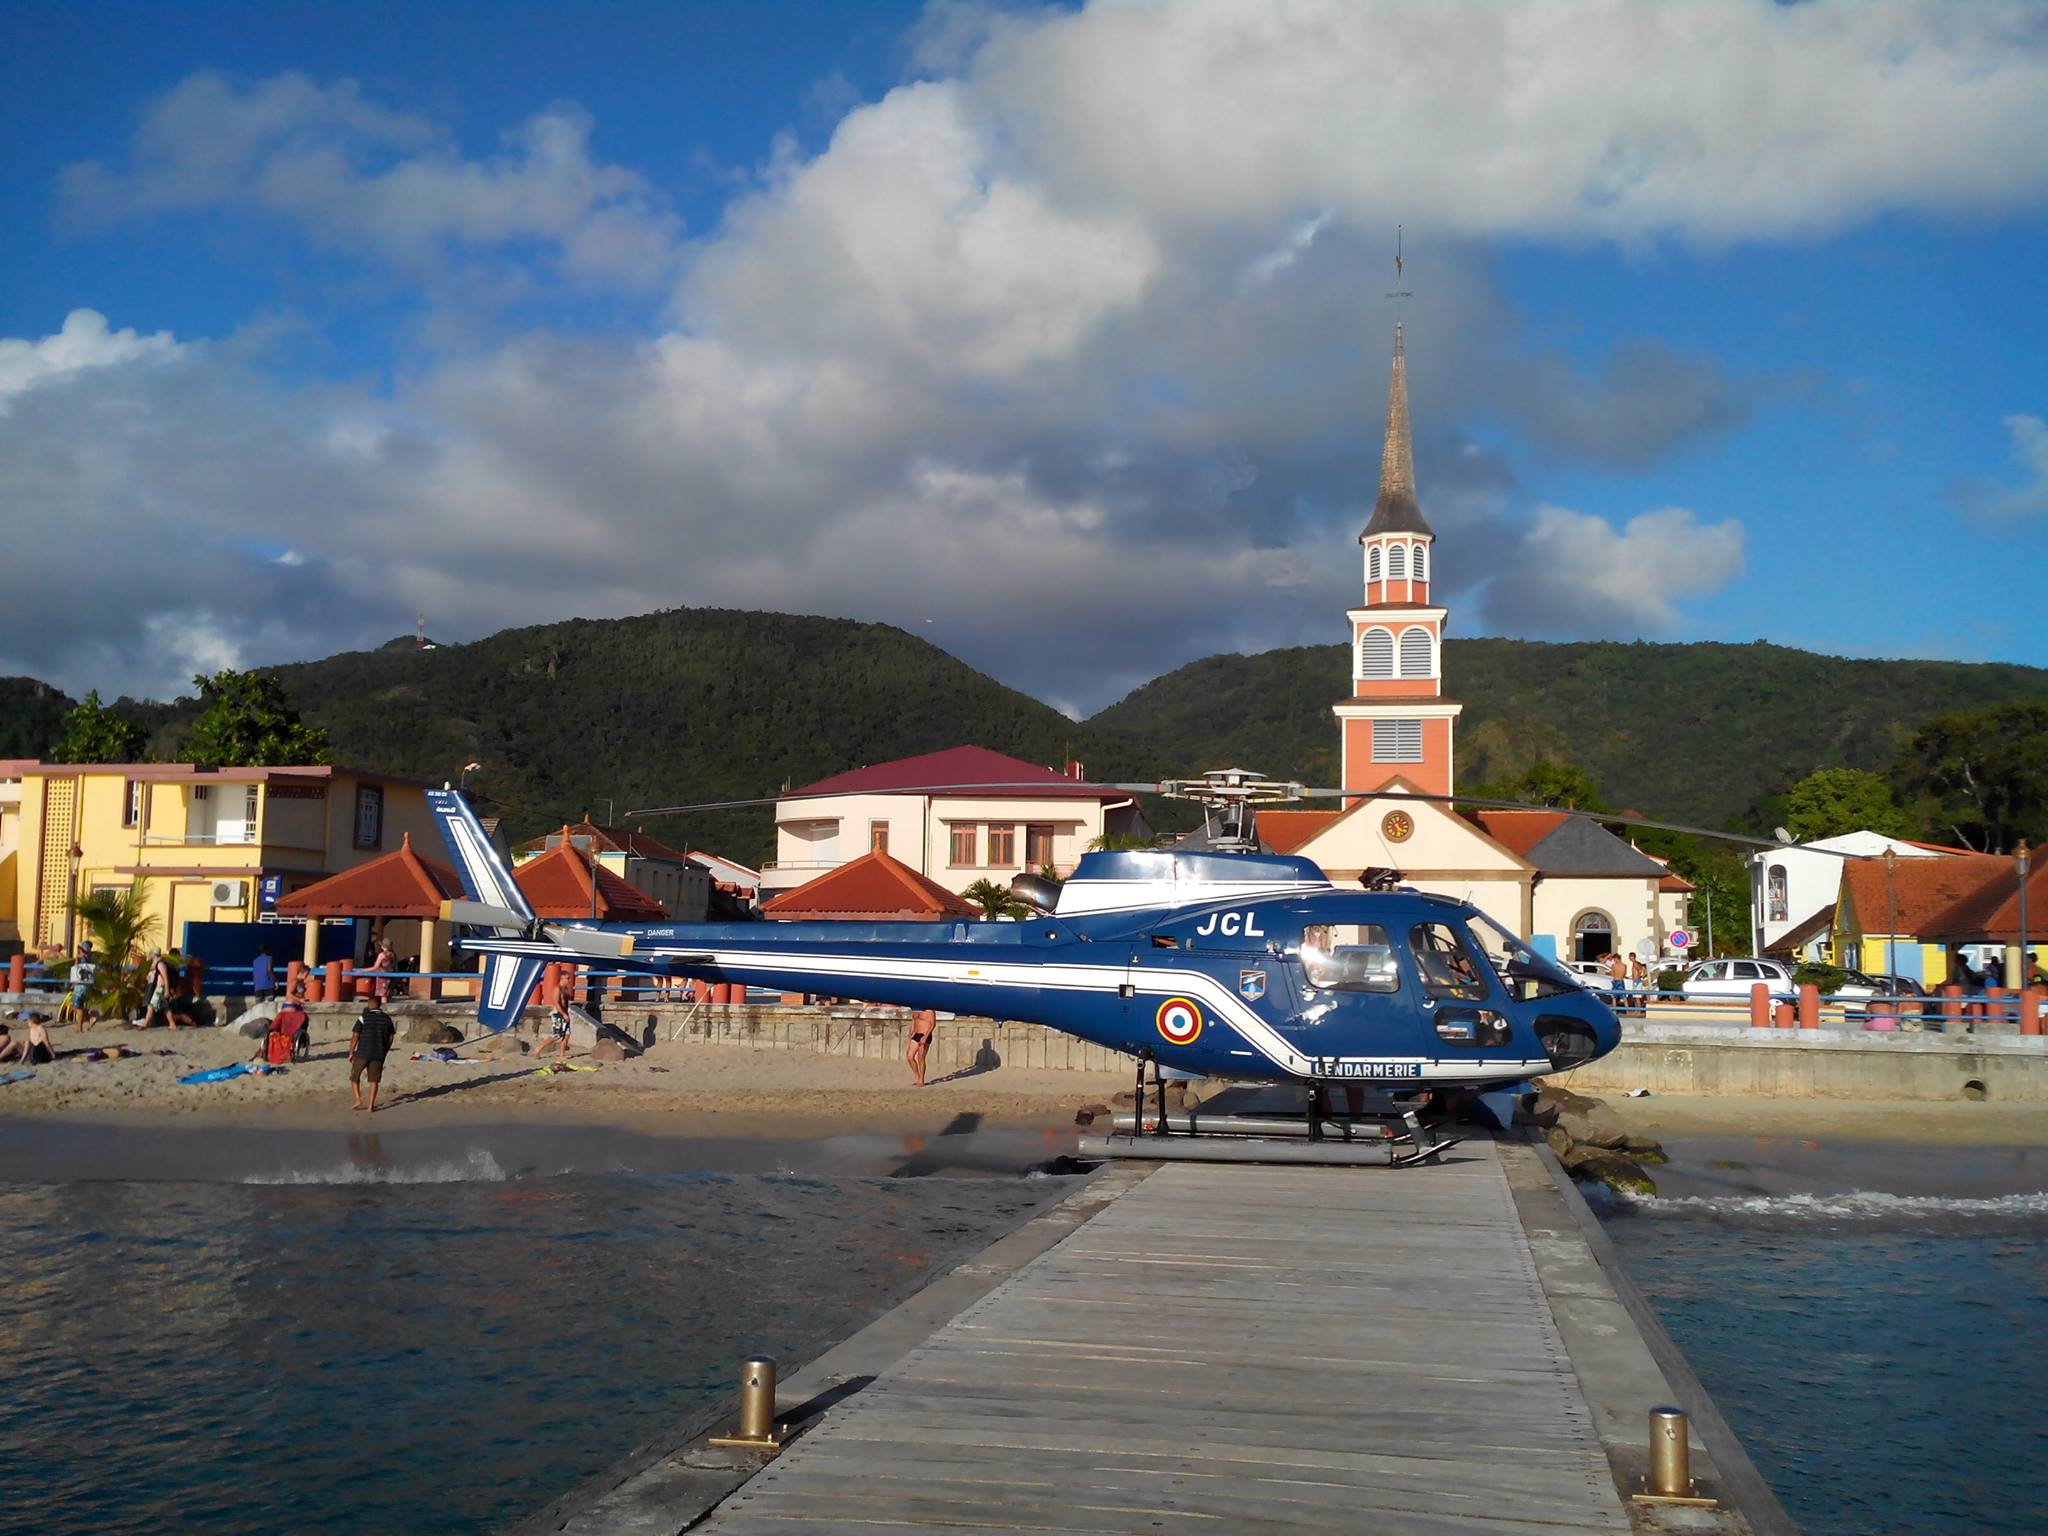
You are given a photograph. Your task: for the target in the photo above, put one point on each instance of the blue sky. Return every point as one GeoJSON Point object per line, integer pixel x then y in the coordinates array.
{"type": "Point", "coordinates": [1061, 323]}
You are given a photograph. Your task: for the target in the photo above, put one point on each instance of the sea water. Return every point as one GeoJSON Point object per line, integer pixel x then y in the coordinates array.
{"type": "Point", "coordinates": [1880, 1353]}
{"type": "Point", "coordinates": [418, 1344]}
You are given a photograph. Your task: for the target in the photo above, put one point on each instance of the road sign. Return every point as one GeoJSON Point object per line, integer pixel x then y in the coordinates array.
{"type": "Point", "coordinates": [1679, 939]}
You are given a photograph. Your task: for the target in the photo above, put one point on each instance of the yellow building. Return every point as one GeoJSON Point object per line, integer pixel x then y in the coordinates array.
{"type": "Point", "coordinates": [210, 844]}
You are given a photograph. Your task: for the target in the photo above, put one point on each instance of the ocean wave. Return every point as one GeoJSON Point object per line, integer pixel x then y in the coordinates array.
{"type": "Point", "coordinates": [1846, 1205]}
{"type": "Point", "coordinates": [476, 1167]}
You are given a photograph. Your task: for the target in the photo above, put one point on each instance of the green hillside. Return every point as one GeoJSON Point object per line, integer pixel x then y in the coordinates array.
{"type": "Point", "coordinates": [687, 705]}
{"type": "Point", "coordinates": [1697, 732]}
{"type": "Point", "coordinates": [705, 704]}
{"type": "Point", "coordinates": [31, 717]}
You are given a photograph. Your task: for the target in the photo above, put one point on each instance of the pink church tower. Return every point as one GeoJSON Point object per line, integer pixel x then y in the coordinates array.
{"type": "Point", "coordinates": [1397, 724]}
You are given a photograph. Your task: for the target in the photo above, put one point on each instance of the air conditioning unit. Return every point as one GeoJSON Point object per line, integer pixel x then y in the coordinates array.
{"type": "Point", "coordinates": [230, 893]}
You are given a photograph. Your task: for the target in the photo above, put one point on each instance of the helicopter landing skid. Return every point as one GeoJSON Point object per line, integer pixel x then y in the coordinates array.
{"type": "Point", "coordinates": [1245, 1126]}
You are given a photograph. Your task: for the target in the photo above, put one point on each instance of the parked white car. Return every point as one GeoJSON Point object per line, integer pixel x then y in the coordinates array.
{"type": "Point", "coordinates": [1732, 979]}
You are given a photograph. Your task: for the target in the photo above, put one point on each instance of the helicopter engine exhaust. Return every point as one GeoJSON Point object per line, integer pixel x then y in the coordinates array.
{"type": "Point", "coordinates": [1036, 892]}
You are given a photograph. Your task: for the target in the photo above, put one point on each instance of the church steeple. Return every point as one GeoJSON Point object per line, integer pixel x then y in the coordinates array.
{"type": "Point", "coordinates": [1397, 726]}
{"type": "Point", "coordinates": [1397, 510]}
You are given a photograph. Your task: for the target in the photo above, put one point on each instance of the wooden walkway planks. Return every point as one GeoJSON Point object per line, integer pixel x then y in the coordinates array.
{"type": "Point", "coordinates": [1229, 1347]}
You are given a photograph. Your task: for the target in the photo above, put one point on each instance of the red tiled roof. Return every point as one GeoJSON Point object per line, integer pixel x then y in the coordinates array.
{"type": "Point", "coordinates": [611, 840]}
{"type": "Point", "coordinates": [558, 884]}
{"type": "Point", "coordinates": [960, 770]}
{"type": "Point", "coordinates": [1925, 891]}
{"type": "Point", "coordinates": [1672, 882]}
{"type": "Point", "coordinates": [1518, 831]}
{"type": "Point", "coordinates": [400, 884]}
{"type": "Point", "coordinates": [1285, 831]}
{"type": "Point", "coordinates": [1991, 912]}
{"type": "Point", "coordinates": [873, 886]}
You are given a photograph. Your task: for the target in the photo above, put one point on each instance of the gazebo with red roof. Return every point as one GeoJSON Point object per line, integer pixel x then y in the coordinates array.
{"type": "Point", "coordinates": [871, 888]}
{"type": "Point", "coordinates": [567, 882]}
{"type": "Point", "coordinates": [400, 887]}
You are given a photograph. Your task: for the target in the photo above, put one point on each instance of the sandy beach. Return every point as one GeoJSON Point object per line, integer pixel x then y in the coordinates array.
{"type": "Point", "coordinates": [704, 1089]}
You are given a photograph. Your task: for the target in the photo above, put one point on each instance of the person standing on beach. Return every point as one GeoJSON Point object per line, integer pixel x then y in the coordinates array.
{"type": "Point", "coordinates": [368, 1044]}
{"type": "Point", "coordinates": [83, 970]}
{"type": "Point", "coordinates": [558, 1034]}
{"type": "Point", "coordinates": [923, 1025]}
{"type": "Point", "coordinates": [263, 975]}
{"type": "Point", "coordinates": [380, 965]}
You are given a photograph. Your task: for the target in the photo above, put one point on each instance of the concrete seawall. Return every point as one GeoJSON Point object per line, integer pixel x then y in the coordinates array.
{"type": "Point", "coordinates": [1703, 1052]}
{"type": "Point", "coordinates": [1735, 1061]}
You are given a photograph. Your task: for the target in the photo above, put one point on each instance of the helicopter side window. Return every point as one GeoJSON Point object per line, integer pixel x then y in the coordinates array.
{"type": "Point", "coordinates": [1448, 968]}
{"type": "Point", "coordinates": [1349, 957]}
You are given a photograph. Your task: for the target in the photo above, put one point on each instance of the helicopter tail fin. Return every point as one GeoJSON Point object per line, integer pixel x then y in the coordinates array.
{"type": "Point", "coordinates": [495, 900]}
{"type": "Point", "coordinates": [484, 875]}
{"type": "Point", "coordinates": [508, 983]}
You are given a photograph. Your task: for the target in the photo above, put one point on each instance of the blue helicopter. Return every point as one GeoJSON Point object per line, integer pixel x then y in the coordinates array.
{"type": "Point", "coordinates": [1219, 960]}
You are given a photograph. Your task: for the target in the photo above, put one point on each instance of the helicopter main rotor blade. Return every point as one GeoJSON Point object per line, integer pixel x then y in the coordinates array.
{"type": "Point", "coordinates": [481, 914]}
{"type": "Point", "coordinates": [593, 942]}
{"type": "Point", "coordinates": [1022, 786]}
{"type": "Point", "coordinates": [1615, 818]}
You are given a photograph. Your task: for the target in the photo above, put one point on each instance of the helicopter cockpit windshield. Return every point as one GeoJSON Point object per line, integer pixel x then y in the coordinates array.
{"type": "Point", "coordinates": [1349, 957]}
{"type": "Point", "coordinates": [1526, 974]}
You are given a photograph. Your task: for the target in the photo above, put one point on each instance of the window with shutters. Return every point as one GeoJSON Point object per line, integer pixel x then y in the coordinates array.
{"type": "Point", "coordinates": [1397, 563]}
{"type": "Point", "coordinates": [963, 844]}
{"type": "Point", "coordinates": [1038, 846]}
{"type": "Point", "coordinates": [1397, 741]}
{"type": "Point", "coordinates": [1376, 653]}
{"type": "Point", "coordinates": [1002, 847]}
{"type": "Point", "coordinates": [1372, 563]}
{"type": "Point", "coordinates": [1415, 652]}
{"type": "Point", "coordinates": [369, 815]}
{"type": "Point", "coordinates": [1421, 566]}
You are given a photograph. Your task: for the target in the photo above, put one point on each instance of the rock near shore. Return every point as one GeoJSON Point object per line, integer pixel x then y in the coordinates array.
{"type": "Point", "coordinates": [1591, 1141]}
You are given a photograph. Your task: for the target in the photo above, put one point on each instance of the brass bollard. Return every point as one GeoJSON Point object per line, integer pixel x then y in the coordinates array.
{"type": "Point", "coordinates": [756, 1428]}
{"type": "Point", "coordinates": [1670, 1455]}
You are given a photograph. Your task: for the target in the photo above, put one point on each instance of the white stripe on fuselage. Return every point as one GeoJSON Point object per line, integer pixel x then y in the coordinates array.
{"type": "Point", "coordinates": [1255, 1030]}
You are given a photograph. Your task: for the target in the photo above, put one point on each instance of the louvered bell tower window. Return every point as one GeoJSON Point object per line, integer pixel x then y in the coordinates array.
{"type": "Point", "coordinates": [1397, 741]}
{"type": "Point", "coordinates": [1376, 653]}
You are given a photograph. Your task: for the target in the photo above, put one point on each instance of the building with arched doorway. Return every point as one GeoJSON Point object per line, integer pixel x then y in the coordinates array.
{"type": "Point", "coordinates": [1574, 888]}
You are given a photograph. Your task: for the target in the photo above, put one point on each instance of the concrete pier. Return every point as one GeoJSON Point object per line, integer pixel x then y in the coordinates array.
{"type": "Point", "coordinates": [1449, 1348]}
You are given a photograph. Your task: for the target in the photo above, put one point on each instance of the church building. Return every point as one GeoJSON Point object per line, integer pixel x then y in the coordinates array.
{"type": "Point", "coordinates": [1573, 888]}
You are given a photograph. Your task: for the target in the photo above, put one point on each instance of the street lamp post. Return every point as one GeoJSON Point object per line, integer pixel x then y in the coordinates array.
{"type": "Point", "coordinates": [462, 779]}
{"type": "Point", "coordinates": [2026, 956]}
{"type": "Point", "coordinates": [1891, 921]}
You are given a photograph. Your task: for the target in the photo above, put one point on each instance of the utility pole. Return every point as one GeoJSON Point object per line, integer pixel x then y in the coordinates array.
{"type": "Point", "coordinates": [1891, 921]}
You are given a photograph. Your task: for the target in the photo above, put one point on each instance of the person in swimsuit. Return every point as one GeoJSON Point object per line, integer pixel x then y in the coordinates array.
{"type": "Point", "coordinates": [923, 1025]}
{"type": "Point", "coordinates": [558, 1034]}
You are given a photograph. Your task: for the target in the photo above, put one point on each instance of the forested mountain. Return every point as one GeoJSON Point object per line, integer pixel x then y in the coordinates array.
{"type": "Point", "coordinates": [702, 704]}
{"type": "Point", "coordinates": [1699, 732]}
{"type": "Point", "coordinates": [31, 717]}
{"type": "Point", "coordinates": [609, 715]}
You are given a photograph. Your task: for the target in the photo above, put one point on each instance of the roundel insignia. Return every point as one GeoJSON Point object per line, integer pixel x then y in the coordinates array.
{"type": "Point", "coordinates": [1180, 1021]}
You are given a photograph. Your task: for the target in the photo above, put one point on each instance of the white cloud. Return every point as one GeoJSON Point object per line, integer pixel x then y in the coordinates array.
{"type": "Point", "coordinates": [360, 176]}
{"type": "Point", "coordinates": [84, 342]}
{"type": "Point", "coordinates": [1578, 575]}
{"type": "Point", "coordinates": [1077, 351]}
{"type": "Point", "coordinates": [2004, 505]}
{"type": "Point", "coordinates": [1578, 119]}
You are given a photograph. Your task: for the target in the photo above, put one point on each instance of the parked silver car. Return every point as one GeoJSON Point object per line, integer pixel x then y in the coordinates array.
{"type": "Point", "coordinates": [1730, 980]}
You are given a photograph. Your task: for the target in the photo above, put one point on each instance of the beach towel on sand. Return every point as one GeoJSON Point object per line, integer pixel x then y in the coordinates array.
{"type": "Point", "coordinates": [222, 1074]}
{"type": "Point", "coordinates": [15, 1077]}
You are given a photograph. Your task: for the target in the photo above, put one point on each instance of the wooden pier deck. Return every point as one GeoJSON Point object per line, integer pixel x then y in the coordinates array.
{"type": "Point", "coordinates": [1229, 1348]}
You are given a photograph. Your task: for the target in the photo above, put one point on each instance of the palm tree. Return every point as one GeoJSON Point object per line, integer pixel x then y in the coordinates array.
{"type": "Point", "coordinates": [121, 931]}
{"type": "Point", "coordinates": [1125, 842]}
{"type": "Point", "coordinates": [994, 901]}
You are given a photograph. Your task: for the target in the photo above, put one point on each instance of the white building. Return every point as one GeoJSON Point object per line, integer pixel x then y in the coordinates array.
{"type": "Point", "coordinates": [957, 816]}
{"type": "Point", "coordinates": [1790, 887]}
